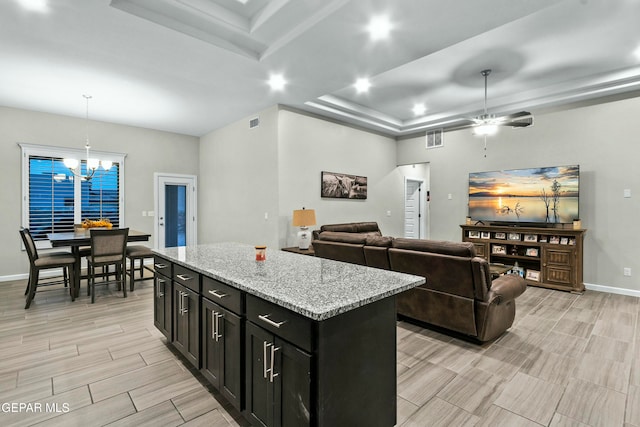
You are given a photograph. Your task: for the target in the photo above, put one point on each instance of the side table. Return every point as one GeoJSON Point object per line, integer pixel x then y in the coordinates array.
{"type": "Point", "coordinates": [297, 250]}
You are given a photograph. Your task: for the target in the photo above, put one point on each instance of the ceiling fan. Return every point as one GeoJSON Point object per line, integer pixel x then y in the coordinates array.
{"type": "Point", "coordinates": [487, 124]}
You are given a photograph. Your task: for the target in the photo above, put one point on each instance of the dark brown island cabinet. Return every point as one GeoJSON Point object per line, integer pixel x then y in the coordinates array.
{"type": "Point", "coordinates": [275, 365]}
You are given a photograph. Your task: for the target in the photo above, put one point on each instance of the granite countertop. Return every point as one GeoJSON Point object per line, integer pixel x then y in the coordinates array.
{"type": "Point", "coordinates": [313, 287]}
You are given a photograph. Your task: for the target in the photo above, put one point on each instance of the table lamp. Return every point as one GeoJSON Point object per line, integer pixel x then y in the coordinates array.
{"type": "Point", "coordinates": [303, 218]}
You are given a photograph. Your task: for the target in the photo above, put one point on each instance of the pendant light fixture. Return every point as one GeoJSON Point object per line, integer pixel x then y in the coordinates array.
{"type": "Point", "coordinates": [92, 164]}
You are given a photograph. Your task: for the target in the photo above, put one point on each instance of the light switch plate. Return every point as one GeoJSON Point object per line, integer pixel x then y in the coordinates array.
{"type": "Point", "coordinates": [627, 192]}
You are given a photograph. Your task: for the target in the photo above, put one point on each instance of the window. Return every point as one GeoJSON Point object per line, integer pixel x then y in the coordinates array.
{"type": "Point", "coordinates": [54, 199]}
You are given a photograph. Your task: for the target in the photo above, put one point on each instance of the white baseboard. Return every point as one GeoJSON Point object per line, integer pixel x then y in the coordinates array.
{"type": "Point", "coordinates": [612, 290]}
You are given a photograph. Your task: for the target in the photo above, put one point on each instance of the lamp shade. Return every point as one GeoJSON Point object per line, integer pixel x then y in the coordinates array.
{"type": "Point", "coordinates": [304, 217]}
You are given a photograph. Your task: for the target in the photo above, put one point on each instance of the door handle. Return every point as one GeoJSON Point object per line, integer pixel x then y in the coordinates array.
{"type": "Point", "coordinates": [215, 325]}
{"type": "Point", "coordinates": [184, 309]}
{"type": "Point", "coordinates": [265, 370]}
{"type": "Point", "coordinates": [159, 293]}
{"type": "Point", "coordinates": [273, 356]}
{"type": "Point", "coordinates": [218, 316]}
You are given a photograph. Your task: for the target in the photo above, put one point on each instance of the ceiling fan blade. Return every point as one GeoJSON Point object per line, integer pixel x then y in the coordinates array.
{"type": "Point", "coordinates": [518, 115]}
{"type": "Point", "coordinates": [520, 123]}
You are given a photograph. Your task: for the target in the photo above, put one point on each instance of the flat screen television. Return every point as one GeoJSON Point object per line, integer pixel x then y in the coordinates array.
{"type": "Point", "coordinates": [547, 195]}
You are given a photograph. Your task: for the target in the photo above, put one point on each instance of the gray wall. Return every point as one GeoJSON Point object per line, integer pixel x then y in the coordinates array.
{"type": "Point", "coordinates": [602, 139]}
{"type": "Point", "coordinates": [148, 151]}
{"type": "Point", "coordinates": [239, 182]}
{"type": "Point", "coordinates": [308, 145]}
{"type": "Point", "coordinates": [275, 168]}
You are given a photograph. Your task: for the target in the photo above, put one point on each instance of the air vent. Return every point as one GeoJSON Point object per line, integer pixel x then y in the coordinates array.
{"type": "Point", "coordinates": [254, 123]}
{"type": "Point", "coordinates": [434, 138]}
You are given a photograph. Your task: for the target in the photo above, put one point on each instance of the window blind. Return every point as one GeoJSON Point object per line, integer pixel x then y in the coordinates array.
{"type": "Point", "coordinates": [52, 203]}
{"type": "Point", "coordinates": [101, 195]}
{"type": "Point", "coordinates": [51, 197]}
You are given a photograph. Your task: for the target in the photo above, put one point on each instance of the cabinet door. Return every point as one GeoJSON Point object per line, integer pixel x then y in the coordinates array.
{"type": "Point", "coordinates": [258, 387]}
{"type": "Point", "coordinates": [222, 351]}
{"type": "Point", "coordinates": [278, 382]}
{"type": "Point", "coordinates": [162, 305]}
{"type": "Point", "coordinates": [558, 266]}
{"type": "Point", "coordinates": [292, 393]}
{"type": "Point", "coordinates": [186, 318]}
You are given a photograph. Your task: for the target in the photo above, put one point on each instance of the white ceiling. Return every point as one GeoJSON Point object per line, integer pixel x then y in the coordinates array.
{"type": "Point", "coordinates": [191, 66]}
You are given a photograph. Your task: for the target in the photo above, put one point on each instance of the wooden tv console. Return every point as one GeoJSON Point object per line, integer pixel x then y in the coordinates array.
{"type": "Point", "coordinates": [550, 257]}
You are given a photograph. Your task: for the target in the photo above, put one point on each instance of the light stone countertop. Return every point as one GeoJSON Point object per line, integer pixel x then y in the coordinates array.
{"type": "Point", "coordinates": [313, 287]}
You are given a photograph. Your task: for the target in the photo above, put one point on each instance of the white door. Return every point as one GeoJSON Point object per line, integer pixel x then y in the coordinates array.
{"type": "Point", "coordinates": [413, 209]}
{"type": "Point", "coordinates": [176, 207]}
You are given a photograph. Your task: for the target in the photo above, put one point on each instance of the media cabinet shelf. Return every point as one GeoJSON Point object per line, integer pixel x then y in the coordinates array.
{"type": "Point", "coordinates": [552, 255]}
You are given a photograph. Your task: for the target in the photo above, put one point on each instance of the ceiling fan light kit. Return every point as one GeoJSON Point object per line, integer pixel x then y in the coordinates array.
{"type": "Point", "coordinates": [487, 124]}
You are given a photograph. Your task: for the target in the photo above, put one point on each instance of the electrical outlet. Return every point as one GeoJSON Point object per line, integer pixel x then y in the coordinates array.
{"type": "Point", "coordinates": [626, 193]}
{"type": "Point", "coordinates": [266, 216]}
{"type": "Point", "coordinates": [144, 213]}
{"type": "Point", "coordinates": [626, 271]}
{"type": "Point", "coordinates": [449, 196]}
{"type": "Point", "coordinates": [388, 213]}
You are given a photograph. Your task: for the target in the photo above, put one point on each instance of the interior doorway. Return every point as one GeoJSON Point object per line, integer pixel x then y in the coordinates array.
{"type": "Point", "coordinates": [415, 212]}
{"type": "Point", "coordinates": [176, 208]}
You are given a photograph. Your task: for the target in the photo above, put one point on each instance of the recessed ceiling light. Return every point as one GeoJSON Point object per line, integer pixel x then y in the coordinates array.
{"type": "Point", "coordinates": [362, 84]}
{"type": "Point", "coordinates": [34, 5]}
{"type": "Point", "coordinates": [419, 109]}
{"type": "Point", "coordinates": [277, 82]}
{"type": "Point", "coordinates": [379, 27]}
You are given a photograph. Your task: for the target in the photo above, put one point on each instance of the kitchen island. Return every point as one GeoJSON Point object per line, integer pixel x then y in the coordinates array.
{"type": "Point", "coordinates": [291, 340]}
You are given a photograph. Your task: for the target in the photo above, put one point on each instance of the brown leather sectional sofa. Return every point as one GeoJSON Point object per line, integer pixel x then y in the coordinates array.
{"type": "Point", "coordinates": [458, 295]}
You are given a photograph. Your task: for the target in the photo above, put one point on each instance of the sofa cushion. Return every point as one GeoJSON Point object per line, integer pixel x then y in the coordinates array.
{"type": "Point", "coordinates": [462, 249]}
{"type": "Point", "coordinates": [345, 228]}
{"type": "Point", "coordinates": [367, 227]}
{"type": "Point", "coordinates": [353, 227]}
{"type": "Point", "coordinates": [337, 236]}
{"type": "Point", "coordinates": [375, 240]}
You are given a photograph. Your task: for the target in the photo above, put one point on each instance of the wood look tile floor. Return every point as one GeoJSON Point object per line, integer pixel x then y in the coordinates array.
{"type": "Point", "coordinates": [569, 360]}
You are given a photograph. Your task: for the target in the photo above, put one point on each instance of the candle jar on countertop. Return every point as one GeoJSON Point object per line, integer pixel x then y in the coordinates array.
{"type": "Point", "coordinates": [261, 253]}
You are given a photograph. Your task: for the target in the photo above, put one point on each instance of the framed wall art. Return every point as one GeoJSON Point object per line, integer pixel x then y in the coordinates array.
{"type": "Point", "coordinates": [343, 186]}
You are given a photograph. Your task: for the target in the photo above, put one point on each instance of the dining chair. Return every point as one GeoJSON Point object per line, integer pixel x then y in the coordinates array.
{"type": "Point", "coordinates": [135, 253]}
{"type": "Point", "coordinates": [108, 247]}
{"type": "Point", "coordinates": [48, 261]}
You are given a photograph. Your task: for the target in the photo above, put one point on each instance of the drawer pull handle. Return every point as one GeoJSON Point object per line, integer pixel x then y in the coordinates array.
{"type": "Point", "coordinates": [265, 318]}
{"type": "Point", "coordinates": [183, 277]}
{"type": "Point", "coordinates": [216, 294]}
{"type": "Point", "coordinates": [160, 266]}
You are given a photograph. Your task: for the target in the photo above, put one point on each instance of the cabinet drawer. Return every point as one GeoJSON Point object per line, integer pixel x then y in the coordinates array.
{"type": "Point", "coordinates": [186, 277]}
{"type": "Point", "coordinates": [222, 294]}
{"type": "Point", "coordinates": [559, 275]}
{"type": "Point", "coordinates": [278, 320]}
{"type": "Point", "coordinates": [162, 266]}
{"type": "Point", "coordinates": [559, 257]}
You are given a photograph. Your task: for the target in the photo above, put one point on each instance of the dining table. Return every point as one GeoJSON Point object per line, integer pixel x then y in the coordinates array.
{"type": "Point", "coordinates": [79, 238]}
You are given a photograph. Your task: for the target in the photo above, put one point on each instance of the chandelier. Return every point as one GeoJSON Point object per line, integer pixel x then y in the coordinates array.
{"type": "Point", "coordinates": [92, 164]}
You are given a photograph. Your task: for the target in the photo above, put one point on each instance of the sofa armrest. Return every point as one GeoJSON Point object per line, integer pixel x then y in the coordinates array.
{"type": "Point", "coordinates": [506, 288]}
